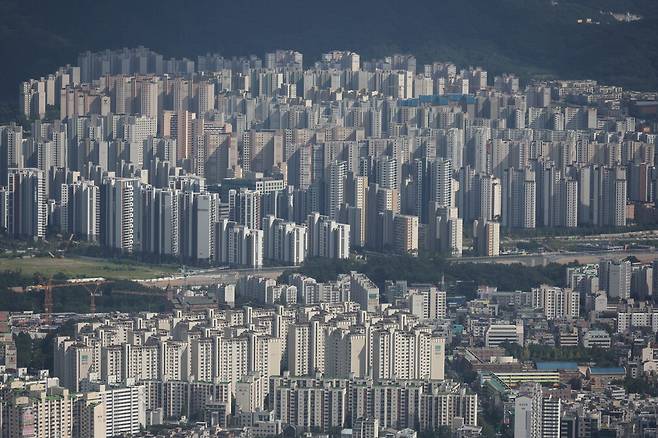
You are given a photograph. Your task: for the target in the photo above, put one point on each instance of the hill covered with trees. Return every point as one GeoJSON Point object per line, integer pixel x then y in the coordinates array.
{"type": "Point", "coordinates": [531, 37]}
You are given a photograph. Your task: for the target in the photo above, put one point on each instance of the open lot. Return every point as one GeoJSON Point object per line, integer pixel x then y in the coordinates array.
{"type": "Point", "coordinates": [80, 267]}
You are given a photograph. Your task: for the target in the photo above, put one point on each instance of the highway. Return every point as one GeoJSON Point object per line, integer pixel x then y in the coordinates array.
{"type": "Point", "coordinates": [583, 257]}
{"type": "Point", "coordinates": [638, 235]}
{"type": "Point", "coordinates": [205, 277]}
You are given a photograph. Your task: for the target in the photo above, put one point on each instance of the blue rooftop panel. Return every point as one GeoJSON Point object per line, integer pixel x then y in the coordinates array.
{"type": "Point", "coordinates": [556, 366]}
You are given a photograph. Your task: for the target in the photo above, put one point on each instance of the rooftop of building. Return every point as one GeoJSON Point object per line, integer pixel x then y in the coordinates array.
{"type": "Point", "coordinates": [556, 366]}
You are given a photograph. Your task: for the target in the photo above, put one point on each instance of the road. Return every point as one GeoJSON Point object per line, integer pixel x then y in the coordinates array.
{"type": "Point", "coordinates": [563, 258]}
{"type": "Point", "coordinates": [211, 276]}
{"type": "Point", "coordinates": [637, 235]}
{"type": "Point", "coordinates": [205, 277]}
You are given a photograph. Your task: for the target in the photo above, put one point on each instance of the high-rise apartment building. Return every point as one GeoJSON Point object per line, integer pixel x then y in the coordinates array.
{"type": "Point", "coordinates": [446, 231]}
{"type": "Point", "coordinates": [11, 150]}
{"type": "Point", "coordinates": [79, 210]}
{"type": "Point", "coordinates": [364, 292]}
{"type": "Point", "coordinates": [556, 302]}
{"type": "Point", "coordinates": [336, 182]}
{"type": "Point", "coordinates": [38, 410]}
{"type": "Point", "coordinates": [405, 234]}
{"type": "Point", "coordinates": [327, 238]}
{"type": "Point", "coordinates": [615, 278]}
{"type": "Point", "coordinates": [519, 198]}
{"type": "Point", "coordinates": [161, 221]}
{"type": "Point", "coordinates": [536, 415]}
{"type": "Point", "coordinates": [238, 245]}
{"type": "Point", "coordinates": [528, 412]}
{"type": "Point", "coordinates": [27, 214]}
{"type": "Point", "coordinates": [124, 406]}
{"type": "Point", "coordinates": [441, 189]}
{"type": "Point", "coordinates": [285, 242]}
{"type": "Point", "coordinates": [119, 214]}
{"type": "Point", "coordinates": [486, 235]}
{"type": "Point", "coordinates": [262, 150]}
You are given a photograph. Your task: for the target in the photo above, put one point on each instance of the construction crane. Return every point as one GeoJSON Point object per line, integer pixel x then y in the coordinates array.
{"type": "Point", "coordinates": [66, 246]}
{"type": "Point", "coordinates": [48, 300]}
{"type": "Point", "coordinates": [92, 285]}
{"type": "Point", "coordinates": [169, 292]}
{"type": "Point", "coordinates": [185, 273]}
{"type": "Point", "coordinates": [94, 291]}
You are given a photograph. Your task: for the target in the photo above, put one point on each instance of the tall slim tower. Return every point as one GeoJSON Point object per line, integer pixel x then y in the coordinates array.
{"type": "Point", "coordinates": [149, 98]}
{"type": "Point", "coordinates": [336, 175]}
{"type": "Point", "coordinates": [441, 191]}
{"type": "Point", "coordinates": [119, 214]}
{"type": "Point", "coordinates": [27, 210]}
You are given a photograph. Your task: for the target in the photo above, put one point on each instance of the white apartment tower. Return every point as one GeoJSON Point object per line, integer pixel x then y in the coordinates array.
{"type": "Point", "coordinates": [238, 245]}
{"type": "Point", "coordinates": [284, 241]}
{"type": "Point", "coordinates": [27, 214]}
{"type": "Point", "coordinates": [556, 302]}
{"type": "Point", "coordinates": [336, 175]}
{"type": "Point", "coordinates": [79, 212]}
{"type": "Point", "coordinates": [149, 98]}
{"type": "Point", "coordinates": [327, 238]}
{"type": "Point", "coordinates": [441, 190]}
{"type": "Point", "coordinates": [486, 238]}
{"type": "Point", "coordinates": [120, 214]}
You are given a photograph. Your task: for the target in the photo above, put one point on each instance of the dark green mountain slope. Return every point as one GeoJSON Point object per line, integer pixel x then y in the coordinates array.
{"type": "Point", "coordinates": [532, 37]}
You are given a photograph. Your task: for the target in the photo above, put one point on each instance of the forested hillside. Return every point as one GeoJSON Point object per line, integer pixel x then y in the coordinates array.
{"type": "Point", "coordinates": [531, 37]}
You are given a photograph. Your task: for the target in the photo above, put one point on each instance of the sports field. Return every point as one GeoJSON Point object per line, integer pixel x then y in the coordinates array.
{"type": "Point", "coordinates": [80, 267]}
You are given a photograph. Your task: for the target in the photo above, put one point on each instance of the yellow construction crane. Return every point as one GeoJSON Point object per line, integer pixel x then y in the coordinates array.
{"type": "Point", "coordinates": [92, 285]}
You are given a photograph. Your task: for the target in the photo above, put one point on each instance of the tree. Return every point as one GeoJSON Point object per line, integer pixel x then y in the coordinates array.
{"type": "Point", "coordinates": [23, 343]}
{"type": "Point", "coordinates": [576, 384]}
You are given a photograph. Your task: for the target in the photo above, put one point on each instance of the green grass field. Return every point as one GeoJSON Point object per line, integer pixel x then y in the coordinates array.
{"type": "Point", "coordinates": [74, 267]}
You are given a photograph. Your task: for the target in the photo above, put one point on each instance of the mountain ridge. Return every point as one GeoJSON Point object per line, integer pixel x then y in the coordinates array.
{"type": "Point", "coordinates": [529, 37]}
